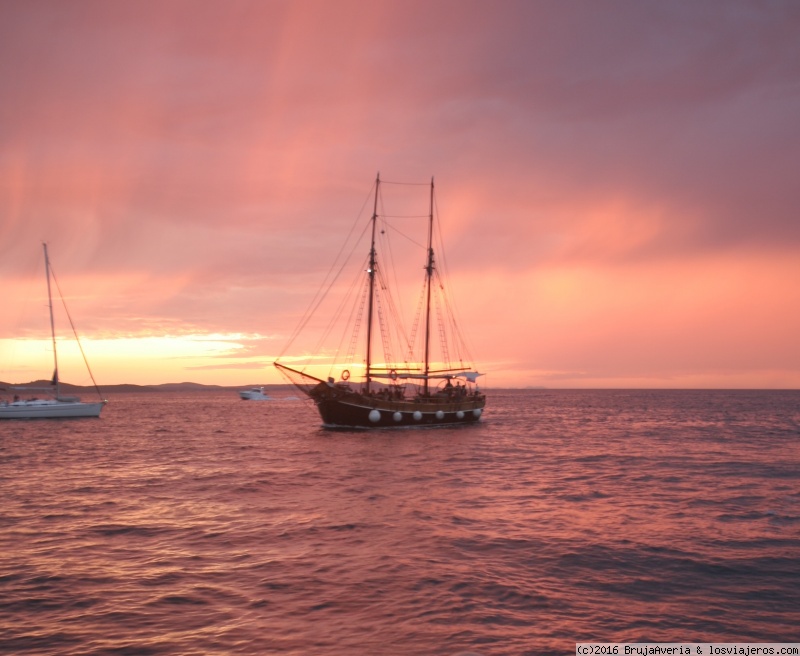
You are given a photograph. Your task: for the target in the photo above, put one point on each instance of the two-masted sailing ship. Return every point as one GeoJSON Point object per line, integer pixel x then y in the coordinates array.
{"type": "Point", "coordinates": [431, 384]}
{"type": "Point", "coordinates": [56, 405]}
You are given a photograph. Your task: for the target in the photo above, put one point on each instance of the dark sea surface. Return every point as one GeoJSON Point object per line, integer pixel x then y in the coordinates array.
{"type": "Point", "coordinates": [201, 524]}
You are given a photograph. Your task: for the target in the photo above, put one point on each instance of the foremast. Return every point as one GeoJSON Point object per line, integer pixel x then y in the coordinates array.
{"type": "Point", "coordinates": [371, 274]}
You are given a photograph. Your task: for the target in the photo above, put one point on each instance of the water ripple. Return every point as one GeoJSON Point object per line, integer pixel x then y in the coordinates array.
{"type": "Point", "coordinates": [199, 524]}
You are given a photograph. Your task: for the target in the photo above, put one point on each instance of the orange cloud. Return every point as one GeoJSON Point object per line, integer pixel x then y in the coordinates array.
{"type": "Point", "coordinates": [618, 196]}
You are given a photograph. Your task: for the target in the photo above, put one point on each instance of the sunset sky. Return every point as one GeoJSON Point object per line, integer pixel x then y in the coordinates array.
{"type": "Point", "coordinates": [617, 180]}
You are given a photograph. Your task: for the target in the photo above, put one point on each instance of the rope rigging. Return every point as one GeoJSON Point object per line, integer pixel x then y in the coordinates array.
{"type": "Point", "coordinates": [74, 331]}
{"type": "Point", "coordinates": [390, 319]}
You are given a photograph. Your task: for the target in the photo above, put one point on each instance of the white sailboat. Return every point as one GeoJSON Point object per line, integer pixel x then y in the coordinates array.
{"type": "Point", "coordinates": [58, 406]}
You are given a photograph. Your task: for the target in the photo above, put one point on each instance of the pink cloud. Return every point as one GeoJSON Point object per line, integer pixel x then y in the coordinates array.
{"type": "Point", "coordinates": [195, 165]}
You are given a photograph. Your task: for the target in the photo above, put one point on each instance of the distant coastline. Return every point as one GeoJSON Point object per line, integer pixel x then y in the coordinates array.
{"type": "Point", "coordinates": [126, 387]}
{"type": "Point", "coordinates": [40, 385]}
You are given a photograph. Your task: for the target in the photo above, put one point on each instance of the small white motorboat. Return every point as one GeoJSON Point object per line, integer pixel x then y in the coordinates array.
{"type": "Point", "coordinates": [254, 394]}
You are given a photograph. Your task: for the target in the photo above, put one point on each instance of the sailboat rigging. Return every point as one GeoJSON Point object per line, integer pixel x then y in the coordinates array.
{"type": "Point", "coordinates": [59, 406]}
{"type": "Point", "coordinates": [416, 390]}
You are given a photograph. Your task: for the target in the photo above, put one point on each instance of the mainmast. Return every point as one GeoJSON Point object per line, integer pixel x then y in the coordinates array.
{"type": "Point", "coordinates": [371, 273]}
{"type": "Point", "coordinates": [52, 322]}
{"type": "Point", "coordinates": [428, 280]}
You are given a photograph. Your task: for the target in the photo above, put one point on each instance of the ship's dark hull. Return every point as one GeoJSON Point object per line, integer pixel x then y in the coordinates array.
{"type": "Point", "coordinates": [352, 410]}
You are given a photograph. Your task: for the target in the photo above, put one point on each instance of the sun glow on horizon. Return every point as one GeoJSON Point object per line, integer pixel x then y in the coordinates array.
{"type": "Point", "coordinates": [213, 358]}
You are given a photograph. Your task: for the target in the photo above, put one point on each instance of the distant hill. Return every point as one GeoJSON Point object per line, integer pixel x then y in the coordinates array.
{"type": "Point", "coordinates": [165, 387]}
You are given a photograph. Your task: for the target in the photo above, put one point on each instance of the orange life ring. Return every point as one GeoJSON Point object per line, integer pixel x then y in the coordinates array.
{"type": "Point", "coordinates": [345, 375]}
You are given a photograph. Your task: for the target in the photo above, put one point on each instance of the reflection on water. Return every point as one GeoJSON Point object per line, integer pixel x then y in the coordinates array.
{"type": "Point", "coordinates": [199, 524]}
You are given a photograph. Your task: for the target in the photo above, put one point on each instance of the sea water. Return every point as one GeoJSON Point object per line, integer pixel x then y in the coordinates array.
{"type": "Point", "coordinates": [201, 524]}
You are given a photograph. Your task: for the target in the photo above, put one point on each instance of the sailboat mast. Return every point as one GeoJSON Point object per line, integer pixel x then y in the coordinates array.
{"type": "Point", "coordinates": [52, 322]}
{"type": "Point", "coordinates": [428, 279]}
{"type": "Point", "coordinates": [371, 273]}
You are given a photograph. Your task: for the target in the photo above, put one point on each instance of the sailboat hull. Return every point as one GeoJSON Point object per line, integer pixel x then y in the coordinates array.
{"type": "Point", "coordinates": [49, 409]}
{"type": "Point", "coordinates": [347, 409]}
